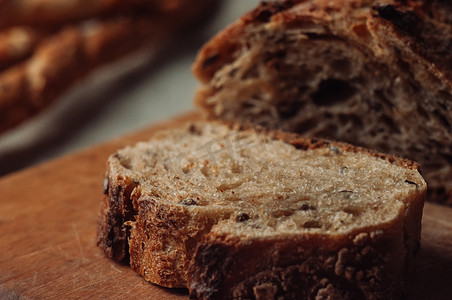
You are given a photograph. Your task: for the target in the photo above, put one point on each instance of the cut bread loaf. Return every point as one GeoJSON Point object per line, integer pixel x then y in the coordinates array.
{"type": "Point", "coordinates": [372, 73]}
{"type": "Point", "coordinates": [248, 214]}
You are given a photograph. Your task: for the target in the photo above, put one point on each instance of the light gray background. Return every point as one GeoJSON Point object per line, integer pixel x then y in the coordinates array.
{"type": "Point", "coordinates": [101, 109]}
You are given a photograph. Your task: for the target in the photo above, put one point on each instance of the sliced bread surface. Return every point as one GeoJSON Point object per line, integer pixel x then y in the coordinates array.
{"type": "Point", "coordinates": [372, 73]}
{"type": "Point", "coordinates": [232, 213]}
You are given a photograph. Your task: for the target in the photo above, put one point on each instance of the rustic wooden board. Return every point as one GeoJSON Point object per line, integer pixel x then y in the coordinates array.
{"type": "Point", "coordinates": [48, 220]}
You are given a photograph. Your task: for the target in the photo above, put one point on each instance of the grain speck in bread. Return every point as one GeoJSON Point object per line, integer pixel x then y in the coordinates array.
{"type": "Point", "coordinates": [242, 214]}
{"type": "Point", "coordinates": [374, 73]}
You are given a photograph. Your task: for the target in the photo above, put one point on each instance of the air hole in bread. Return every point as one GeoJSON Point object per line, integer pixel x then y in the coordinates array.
{"type": "Point", "coordinates": [332, 91]}
{"type": "Point", "coordinates": [242, 217]}
{"type": "Point", "coordinates": [447, 158]}
{"type": "Point", "coordinates": [305, 207]}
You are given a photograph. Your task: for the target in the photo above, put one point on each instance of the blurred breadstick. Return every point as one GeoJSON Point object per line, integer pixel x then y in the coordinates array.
{"type": "Point", "coordinates": [62, 60]}
{"type": "Point", "coordinates": [16, 44]}
{"type": "Point", "coordinates": [65, 58]}
{"type": "Point", "coordinates": [58, 12]}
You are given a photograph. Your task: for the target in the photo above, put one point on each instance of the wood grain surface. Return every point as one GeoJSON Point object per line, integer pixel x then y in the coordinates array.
{"type": "Point", "coordinates": [48, 217]}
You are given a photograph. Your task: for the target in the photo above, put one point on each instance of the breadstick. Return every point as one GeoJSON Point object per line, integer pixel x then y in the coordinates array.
{"type": "Point", "coordinates": [57, 12]}
{"type": "Point", "coordinates": [16, 44]}
{"type": "Point", "coordinates": [62, 60]}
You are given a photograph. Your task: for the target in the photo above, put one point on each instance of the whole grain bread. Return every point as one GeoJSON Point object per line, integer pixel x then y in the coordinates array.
{"type": "Point", "coordinates": [249, 214]}
{"type": "Point", "coordinates": [368, 72]}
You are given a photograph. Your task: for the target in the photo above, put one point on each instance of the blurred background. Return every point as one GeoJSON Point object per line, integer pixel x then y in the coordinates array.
{"type": "Point", "coordinates": [126, 94]}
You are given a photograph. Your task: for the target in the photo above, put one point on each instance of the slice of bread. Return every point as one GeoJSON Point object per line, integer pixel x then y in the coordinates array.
{"type": "Point", "coordinates": [233, 213]}
{"type": "Point", "coordinates": [372, 73]}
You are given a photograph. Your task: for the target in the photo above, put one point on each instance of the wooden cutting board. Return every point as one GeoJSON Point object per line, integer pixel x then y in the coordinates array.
{"type": "Point", "coordinates": [48, 250]}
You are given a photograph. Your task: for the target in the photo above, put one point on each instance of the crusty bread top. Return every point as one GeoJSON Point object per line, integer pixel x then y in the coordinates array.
{"type": "Point", "coordinates": [278, 183]}
{"type": "Point", "coordinates": [424, 27]}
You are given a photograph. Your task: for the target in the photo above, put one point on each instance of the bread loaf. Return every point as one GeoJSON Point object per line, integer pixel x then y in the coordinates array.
{"type": "Point", "coordinates": [368, 72]}
{"type": "Point", "coordinates": [250, 214]}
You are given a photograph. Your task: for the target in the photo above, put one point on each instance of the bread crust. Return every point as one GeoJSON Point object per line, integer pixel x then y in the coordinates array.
{"type": "Point", "coordinates": [408, 41]}
{"type": "Point", "coordinates": [358, 266]}
{"type": "Point", "coordinates": [116, 210]}
{"type": "Point", "coordinates": [163, 240]}
{"type": "Point", "coordinates": [180, 245]}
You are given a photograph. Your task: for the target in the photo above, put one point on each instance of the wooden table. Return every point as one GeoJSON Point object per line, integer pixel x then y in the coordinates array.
{"type": "Point", "coordinates": [48, 217]}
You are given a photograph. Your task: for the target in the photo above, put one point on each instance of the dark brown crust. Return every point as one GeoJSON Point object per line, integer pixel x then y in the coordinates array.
{"type": "Point", "coordinates": [211, 58]}
{"type": "Point", "coordinates": [425, 36]}
{"type": "Point", "coordinates": [116, 209]}
{"type": "Point", "coordinates": [221, 49]}
{"type": "Point", "coordinates": [408, 23]}
{"type": "Point", "coordinates": [357, 267]}
{"type": "Point", "coordinates": [265, 11]}
{"type": "Point", "coordinates": [414, 22]}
